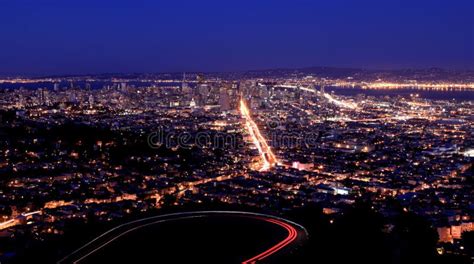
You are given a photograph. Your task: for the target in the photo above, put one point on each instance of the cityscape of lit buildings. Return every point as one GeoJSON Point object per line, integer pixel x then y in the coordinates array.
{"type": "Point", "coordinates": [71, 149]}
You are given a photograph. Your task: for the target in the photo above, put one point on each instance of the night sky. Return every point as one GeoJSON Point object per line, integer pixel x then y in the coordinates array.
{"type": "Point", "coordinates": [96, 36]}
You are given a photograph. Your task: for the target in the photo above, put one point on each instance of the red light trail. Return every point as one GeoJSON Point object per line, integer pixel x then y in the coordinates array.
{"type": "Point", "coordinates": [94, 246]}
{"type": "Point", "coordinates": [292, 235]}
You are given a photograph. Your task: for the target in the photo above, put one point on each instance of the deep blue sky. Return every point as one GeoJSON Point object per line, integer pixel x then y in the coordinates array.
{"type": "Point", "coordinates": [93, 36]}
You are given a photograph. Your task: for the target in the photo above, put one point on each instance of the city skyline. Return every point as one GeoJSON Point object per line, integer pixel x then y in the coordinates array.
{"type": "Point", "coordinates": [83, 153]}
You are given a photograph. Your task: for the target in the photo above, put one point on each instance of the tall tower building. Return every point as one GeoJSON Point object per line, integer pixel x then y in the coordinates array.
{"type": "Point", "coordinates": [184, 84]}
{"type": "Point", "coordinates": [203, 94]}
{"type": "Point", "coordinates": [224, 100]}
{"type": "Point", "coordinates": [91, 101]}
{"type": "Point", "coordinates": [186, 91]}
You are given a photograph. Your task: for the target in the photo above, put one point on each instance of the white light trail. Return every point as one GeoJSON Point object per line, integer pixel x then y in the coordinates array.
{"type": "Point", "coordinates": [268, 158]}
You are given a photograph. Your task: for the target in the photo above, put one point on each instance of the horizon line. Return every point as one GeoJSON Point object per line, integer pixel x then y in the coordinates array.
{"type": "Point", "coordinates": [370, 69]}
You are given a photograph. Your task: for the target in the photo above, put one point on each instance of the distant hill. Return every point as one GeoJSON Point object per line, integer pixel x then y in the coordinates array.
{"type": "Point", "coordinates": [357, 74]}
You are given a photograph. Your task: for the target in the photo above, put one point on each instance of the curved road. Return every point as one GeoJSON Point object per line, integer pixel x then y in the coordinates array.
{"type": "Point", "coordinates": [296, 233]}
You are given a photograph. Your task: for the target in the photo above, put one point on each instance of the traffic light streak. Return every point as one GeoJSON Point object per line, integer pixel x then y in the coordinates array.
{"type": "Point", "coordinates": [268, 158]}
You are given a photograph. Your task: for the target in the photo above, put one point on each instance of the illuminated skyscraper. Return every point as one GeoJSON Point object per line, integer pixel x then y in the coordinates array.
{"type": "Point", "coordinates": [186, 91]}
{"type": "Point", "coordinates": [224, 100]}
